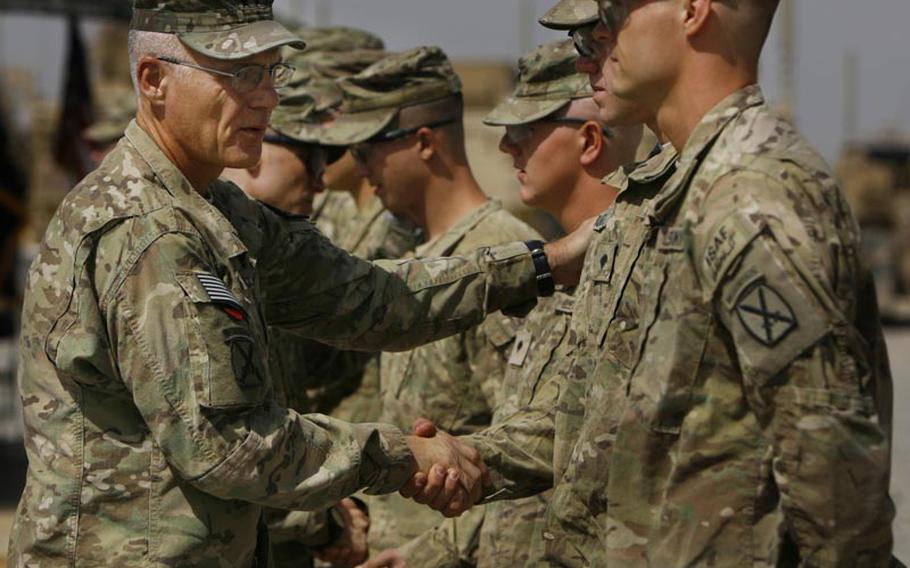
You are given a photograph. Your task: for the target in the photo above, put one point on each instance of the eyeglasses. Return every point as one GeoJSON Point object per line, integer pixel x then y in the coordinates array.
{"type": "Point", "coordinates": [361, 152]}
{"type": "Point", "coordinates": [332, 153]}
{"type": "Point", "coordinates": [515, 134]}
{"type": "Point", "coordinates": [247, 78]}
{"type": "Point", "coordinates": [584, 41]}
{"type": "Point", "coordinates": [613, 14]}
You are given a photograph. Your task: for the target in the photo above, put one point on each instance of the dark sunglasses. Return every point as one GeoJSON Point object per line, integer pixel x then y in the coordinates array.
{"type": "Point", "coordinates": [332, 153]}
{"type": "Point", "coordinates": [361, 152]}
{"type": "Point", "coordinates": [520, 132]}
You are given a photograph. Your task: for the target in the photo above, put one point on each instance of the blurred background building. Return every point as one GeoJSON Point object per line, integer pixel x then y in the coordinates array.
{"type": "Point", "coordinates": [840, 69]}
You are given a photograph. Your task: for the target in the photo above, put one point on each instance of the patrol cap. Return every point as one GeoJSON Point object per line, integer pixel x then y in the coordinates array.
{"type": "Point", "coordinates": [331, 65]}
{"type": "Point", "coordinates": [547, 81]}
{"type": "Point", "coordinates": [570, 14]}
{"type": "Point", "coordinates": [113, 113]}
{"type": "Point", "coordinates": [326, 39]}
{"type": "Point", "coordinates": [301, 112]}
{"type": "Point", "coordinates": [373, 97]}
{"type": "Point", "coordinates": [222, 29]}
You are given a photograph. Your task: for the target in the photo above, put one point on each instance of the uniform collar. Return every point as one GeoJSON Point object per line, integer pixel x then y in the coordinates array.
{"type": "Point", "coordinates": [698, 145]}
{"type": "Point", "coordinates": [445, 243]}
{"type": "Point", "coordinates": [644, 172]}
{"type": "Point", "coordinates": [218, 232]}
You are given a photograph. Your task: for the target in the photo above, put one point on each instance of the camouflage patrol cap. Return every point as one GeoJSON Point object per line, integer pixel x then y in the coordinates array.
{"type": "Point", "coordinates": [337, 39]}
{"type": "Point", "coordinates": [113, 113]}
{"type": "Point", "coordinates": [373, 97]}
{"type": "Point", "coordinates": [222, 29]}
{"type": "Point", "coordinates": [569, 14]}
{"type": "Point", "coordinates": [302, 111]}
{"type": "Point", "coordinates": [547, 82]}
{"type": "Point", "coordinates": [330, 65]}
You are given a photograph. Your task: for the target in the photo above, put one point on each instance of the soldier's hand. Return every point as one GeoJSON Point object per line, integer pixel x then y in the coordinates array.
{"type": "Point", "coordinates": [351, 548]}
{"type": "Point", "coordinates": [567, 255]}
{"type": "Point", "coordinates": [386, 559]}
{"type": "Point", "coordinates": [444, 486]}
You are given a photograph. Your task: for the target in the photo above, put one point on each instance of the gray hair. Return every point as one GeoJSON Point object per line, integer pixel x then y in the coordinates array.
{"type": "Point", "coordinates": [154, 44]}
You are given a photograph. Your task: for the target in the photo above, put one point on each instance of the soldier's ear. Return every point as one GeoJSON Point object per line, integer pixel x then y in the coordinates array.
{"type": "Point", "coordinates": [591, 138]}
{"type": "Point", "coordinates": [150, 78]}
{"type": "Point", "coordinates": [695, 15]}
{"type": "Point", "coordinates": [428, 143]}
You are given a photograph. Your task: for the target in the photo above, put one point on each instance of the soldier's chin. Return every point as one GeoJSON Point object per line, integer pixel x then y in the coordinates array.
{"type": "Point", "coordinates": [242, 156]}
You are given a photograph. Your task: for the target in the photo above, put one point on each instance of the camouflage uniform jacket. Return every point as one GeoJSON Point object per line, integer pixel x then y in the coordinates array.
{"type": "Point", "coordinates": [151, 429]}
{"type": "Point", "coordinates": [530, 449]}
{"type": "Point", "coordinates": [313, 377]}
{"type": "Point", "coordinates": [738, 409]}
{"type": "Point", "coordinates": [343, 383]}
{"type": "Point", "coordinates": [457, 383]}
{"type": "Point", "coordinates": [511, 530]}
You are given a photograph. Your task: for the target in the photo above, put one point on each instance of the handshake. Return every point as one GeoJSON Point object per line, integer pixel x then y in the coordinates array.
{"type": "Point", "coordinates": [450, 475]}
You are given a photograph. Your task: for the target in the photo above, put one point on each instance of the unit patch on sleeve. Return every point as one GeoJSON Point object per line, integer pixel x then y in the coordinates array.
{"type": "Point", "coordinates": [765, 314]}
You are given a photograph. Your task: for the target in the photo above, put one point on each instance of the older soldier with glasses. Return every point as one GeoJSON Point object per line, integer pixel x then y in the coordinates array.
{"type": "Point", "coordinates": [152, 432]}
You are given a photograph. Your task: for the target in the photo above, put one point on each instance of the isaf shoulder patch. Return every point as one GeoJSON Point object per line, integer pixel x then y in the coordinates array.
{"type": "Point", "coordinates": [765, 314]}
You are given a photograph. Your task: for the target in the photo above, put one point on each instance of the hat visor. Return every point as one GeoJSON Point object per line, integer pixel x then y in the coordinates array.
{"type": "Point", "coordinates": [242, 41]}
{"type": "Point", "coordinates": [523, 110]}
{"type": "Point", "coordinates": [569, 15]}
{"type": "Point", "coordinates": [354, 128]}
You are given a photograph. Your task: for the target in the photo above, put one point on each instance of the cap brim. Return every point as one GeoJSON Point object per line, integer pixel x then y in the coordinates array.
{"type": "Point", "coordinates": [242, 41]}
{"type": "Point", "coordinates": [354, 128]}
{"type": "Point", "coordinates": [514, 111]}
{"type": "Point", "coordinates": [565, 17]}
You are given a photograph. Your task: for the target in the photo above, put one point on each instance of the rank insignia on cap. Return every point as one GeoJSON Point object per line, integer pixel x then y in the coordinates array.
{"type": "Point", "coordinates": [220, 294]}
{"type": "Point", "coordinates": [765, 314]}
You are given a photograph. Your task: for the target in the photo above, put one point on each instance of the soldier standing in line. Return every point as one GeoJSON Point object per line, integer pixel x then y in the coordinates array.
{"type": "Point", "coordinates": [562, 150]}
{"type": "Point", "coordinates": [529, 449]}
{"type": "Point", "coordinates": [152, 433]}
{"type": "Point", "coordinates": [739, 401]}
{"type": "Point", "coordinates": [404, 115]}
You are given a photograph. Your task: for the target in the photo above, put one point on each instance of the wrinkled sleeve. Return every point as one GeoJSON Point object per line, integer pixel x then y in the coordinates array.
{"type": "Point", "coordinates": [450, 544]}
{"type": "Point", "coordinates": [519, 451]}
{"type": "Point", "coordinates": [318, 290]}
{"type": "Point", "coordinates": [786, 292]}
{"type": "Point", "coordinates": [196, 376]}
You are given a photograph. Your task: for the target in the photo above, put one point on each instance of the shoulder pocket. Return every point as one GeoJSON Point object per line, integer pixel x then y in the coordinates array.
{"type": "Point", "coordinates": [223, 345]}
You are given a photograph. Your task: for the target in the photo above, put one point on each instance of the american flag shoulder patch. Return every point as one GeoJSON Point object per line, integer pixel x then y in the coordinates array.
{"type": "Point", "coordinates": [217, 291]}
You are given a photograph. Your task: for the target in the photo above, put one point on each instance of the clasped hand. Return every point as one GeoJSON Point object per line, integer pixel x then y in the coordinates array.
{"type": "Point", "coordinates": [450, 474]}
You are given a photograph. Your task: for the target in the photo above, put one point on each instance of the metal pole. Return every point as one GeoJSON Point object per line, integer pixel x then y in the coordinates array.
{"type": "Point", "coordinates": [526, 23]}
{"type": "Point", "coordinates": [787, 76]}
{"type": "Point", "coordinates": [850, 96]}
{"type": "Point", "coordinates": [323, 16]}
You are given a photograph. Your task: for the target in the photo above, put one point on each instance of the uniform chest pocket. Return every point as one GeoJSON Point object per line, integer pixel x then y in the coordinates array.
{"type": "Point", "coordinates": [223, 345]}
{"type": "Point", "coordinates": [601, 266]}
{"type": "Point", "coordinates": [675, 328]}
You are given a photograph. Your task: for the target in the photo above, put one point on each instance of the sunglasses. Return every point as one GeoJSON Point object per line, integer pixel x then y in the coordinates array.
{"type": "Point", "coordinates": [515, 134]}
{"type": "Point", "coordinates": [361, 152]}
{"type": "Point", "coordinates": [613, 14]}
{"type": "Point", "coordinates": [247, 78]}
{"type": "Point", "coordinates": [584, 41]}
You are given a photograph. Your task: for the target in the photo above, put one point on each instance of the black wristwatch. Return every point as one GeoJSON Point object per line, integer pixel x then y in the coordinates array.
{"type": "Point", "coordinates": [546, 286]}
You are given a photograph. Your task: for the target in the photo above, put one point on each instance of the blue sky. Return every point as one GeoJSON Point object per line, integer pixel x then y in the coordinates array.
{"type": "Point", "coordinates": [875, 32]}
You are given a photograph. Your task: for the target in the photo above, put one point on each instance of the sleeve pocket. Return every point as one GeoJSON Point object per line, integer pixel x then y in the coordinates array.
{"type": "Point", "coordinates": [230, 358]}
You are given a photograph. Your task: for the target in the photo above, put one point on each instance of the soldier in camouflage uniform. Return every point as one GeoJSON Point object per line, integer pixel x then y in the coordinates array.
{"type": "Point", "coordinates": [562, 151]}
{"type": "Point", "coordinates": [738, 404]}
{"type": "Point", "coordinates": [408, 110]}
{"type": "Point", "coordinates": [152, 430]}
{"type": "Point", "coordinates": [115, 109]}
